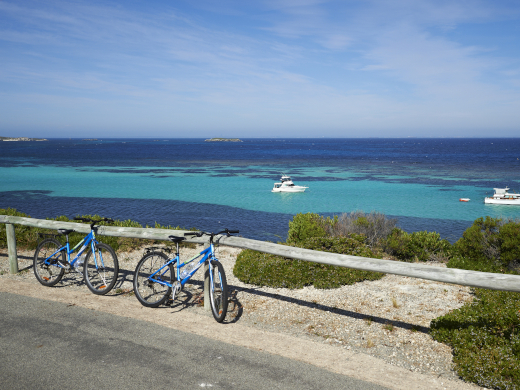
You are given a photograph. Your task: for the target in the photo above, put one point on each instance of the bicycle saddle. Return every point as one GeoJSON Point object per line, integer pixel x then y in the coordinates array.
{"type": "Point", "coordinates": [176, 239]}
{"type": "Point", "coordinates": [65, 231]}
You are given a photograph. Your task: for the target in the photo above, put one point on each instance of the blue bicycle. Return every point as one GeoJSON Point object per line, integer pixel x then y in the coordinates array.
{"type": "Point", "coordinates": [96, 261]}
{"type": "Point", "coordinates": [156, 276]}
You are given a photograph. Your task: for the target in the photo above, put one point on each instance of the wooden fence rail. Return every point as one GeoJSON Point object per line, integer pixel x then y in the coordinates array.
{"type": "Point", "coordinates": [447, 275]}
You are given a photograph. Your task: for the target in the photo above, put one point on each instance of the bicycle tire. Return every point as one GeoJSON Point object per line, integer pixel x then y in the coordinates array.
{"type": "Point", "coordinates": [48, 275]}
{"type": "Point", "coordinates": [101, 271]}
{"type": "Point", "coordinates": [147, 292]}
{"type": "Point", "coordinates": [218, 296]}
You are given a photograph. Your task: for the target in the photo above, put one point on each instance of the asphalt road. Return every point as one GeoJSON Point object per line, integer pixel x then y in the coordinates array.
{"type": "Point", "coordinates": [46, 344]}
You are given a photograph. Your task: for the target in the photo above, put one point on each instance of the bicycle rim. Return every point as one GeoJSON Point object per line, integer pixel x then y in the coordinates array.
{"type": "Point", "coordinates": [218, 292]}
{"type": "Point", "coordinates": [48, 274]}
{"type": "Point", "coordinates": [101, 269]}
{"type": "Point", "coordinates": [147, 290]}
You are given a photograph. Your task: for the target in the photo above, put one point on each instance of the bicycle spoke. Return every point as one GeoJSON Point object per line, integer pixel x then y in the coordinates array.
{"type": "Point", "coordinates": [146, 288]}
{"type": "Point", "coordinates": [51, 273]}
{"type": "Point", "coordinates": [218, 291]}
{"type": "Point", "coordinates": [101, 269]}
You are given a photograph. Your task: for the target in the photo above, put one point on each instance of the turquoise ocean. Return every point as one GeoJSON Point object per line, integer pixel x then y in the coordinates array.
{"type": "Point", "coordinates": [214, 185]}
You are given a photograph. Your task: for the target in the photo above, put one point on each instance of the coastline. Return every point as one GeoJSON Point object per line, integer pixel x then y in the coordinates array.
{"type": "Point", "coordinates": [9, 139]}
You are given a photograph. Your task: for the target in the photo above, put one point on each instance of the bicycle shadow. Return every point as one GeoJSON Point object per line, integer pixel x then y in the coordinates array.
{"type": "Point", "coordinates": [192, 296]}
{"type": "Point", "coordinates": [72, 277]}
{"type": "Point", "coordinates": [69, 277]}
{"type": "Point", "coordinates": [124, 277]}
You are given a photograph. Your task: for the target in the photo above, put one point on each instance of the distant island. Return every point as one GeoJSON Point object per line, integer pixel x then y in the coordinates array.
{"type": "Point", "coordinates": [21, 139]}
{"type": "Point", "coordinates": [223, 140]}
{"type": "Point", "coordinates": [90, 139]}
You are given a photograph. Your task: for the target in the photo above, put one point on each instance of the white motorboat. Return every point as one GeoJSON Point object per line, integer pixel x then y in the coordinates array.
{"type": "Point", "coordinates": [286, 185]}
{"type": "Point", "coordinates": [502, 196]}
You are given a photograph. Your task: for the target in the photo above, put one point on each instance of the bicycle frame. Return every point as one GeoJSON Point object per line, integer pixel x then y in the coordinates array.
{"type": "Point", "coordinates": [204, 255]}
{"type": "Point", "coordinates": [88, 239]}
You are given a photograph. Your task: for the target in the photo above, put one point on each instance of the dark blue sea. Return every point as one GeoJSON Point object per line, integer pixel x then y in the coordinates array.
{"type": "Point", "coordinates": [214, 185]}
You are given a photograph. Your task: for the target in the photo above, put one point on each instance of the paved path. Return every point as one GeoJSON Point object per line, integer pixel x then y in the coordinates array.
{"type": "Point", "coordinates": [47, 344]}
{"type": "Point", "coordinates": [127, 345]}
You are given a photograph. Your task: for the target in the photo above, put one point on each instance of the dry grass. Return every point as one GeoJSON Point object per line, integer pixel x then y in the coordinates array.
{"type": "Point", "coordinates": [389, 327]}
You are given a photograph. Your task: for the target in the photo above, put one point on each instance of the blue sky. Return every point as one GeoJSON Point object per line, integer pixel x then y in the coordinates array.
{"type": "Point", "coordinates": [273, 68]}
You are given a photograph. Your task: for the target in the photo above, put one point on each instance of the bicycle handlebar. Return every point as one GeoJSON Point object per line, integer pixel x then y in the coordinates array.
{"type": "Point", "coordinates": [200, 234]}
{"type": "Point", "coordinates": [92, 221]}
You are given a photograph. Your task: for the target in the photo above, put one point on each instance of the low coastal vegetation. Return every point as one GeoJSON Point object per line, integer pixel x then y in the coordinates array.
{"type": "Point", "coordinates": [484, 333]}
{"type": "Point", "coordinates": [264, 269]}
{"type": "Point", "coordinates": [358, 234]}
{"type": "Point", "coordinates": [307, 231]}
{"type": "Point", "coordinates": [28, 237]}
{"type": "Point", "coordinates": [485, 337]}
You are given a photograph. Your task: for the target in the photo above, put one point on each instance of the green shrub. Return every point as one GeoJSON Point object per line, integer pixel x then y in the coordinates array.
{"type": "Point", "coordinates": [26, 236]}
{"type": "Point", "coordinates": [430, 246]}
{"type": "Point", "coordinates": [417, 246]}
{"type": "Point", "coordinates": [485, 336]}
{"type": "Point", "coordinates": [264, 269]}
{"type": "Point", "coordinates": [474, 265]}
{"type": "Point", "coordinates": [479, 242]}
{"type": "Point", "coordinates": [489, 245]}
{"type": "Point", "coordinates": [509, 238]}
{"type": "Point", "coordinates": [399, 244]}
{"type": "Point", "coordinates": [354, 245]}
{"type": "Point", "coordinates": [304, 226]}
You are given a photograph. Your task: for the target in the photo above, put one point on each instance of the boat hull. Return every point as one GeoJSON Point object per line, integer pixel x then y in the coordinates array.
{"type": "Point", "coordinates": [302, 189]}
{"type": "Point", "coordinates": [502, 201]}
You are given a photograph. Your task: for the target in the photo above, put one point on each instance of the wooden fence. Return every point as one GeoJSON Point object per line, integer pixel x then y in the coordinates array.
{"type": "Point", "coordinates": [447, 275]}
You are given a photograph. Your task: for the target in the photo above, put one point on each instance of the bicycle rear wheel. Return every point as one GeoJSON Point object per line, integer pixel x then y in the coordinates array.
{"type": "Point", "coordinates": [101, 269]}
{"type": "Point", "coordinates": [147, 291]}
{"type": "Point", "coordinates": [218, 292]}
{"type": "Point", "coordinates": [48, 274]}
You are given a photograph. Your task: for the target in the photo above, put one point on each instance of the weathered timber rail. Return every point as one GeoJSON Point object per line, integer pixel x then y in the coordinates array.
{"type": "Point", "coordinates": [486, 280]}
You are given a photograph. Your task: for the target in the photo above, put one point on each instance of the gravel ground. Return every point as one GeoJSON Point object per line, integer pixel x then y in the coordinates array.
{"type": "Point", "coordinates": [387, 318]}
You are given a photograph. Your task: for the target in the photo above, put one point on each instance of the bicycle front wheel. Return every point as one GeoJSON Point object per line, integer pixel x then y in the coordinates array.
{"type": "Point", "coordinates": [101, 269]}
{"type": "Point", "coordinates": [48, 274]}
{"type": "Point", "coordinates": [218, 291]}
{"type": "Point", "coordinates": [149, 291]}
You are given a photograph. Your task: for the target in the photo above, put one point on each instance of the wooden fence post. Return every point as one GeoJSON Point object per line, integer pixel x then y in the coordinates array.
{"type": "Point", "coordinates": [11, 248]}
{"type": "Point", "coordinates": [207, 304]}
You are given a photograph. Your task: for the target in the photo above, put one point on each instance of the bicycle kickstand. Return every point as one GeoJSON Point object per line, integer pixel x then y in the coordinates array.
{"type": "Point", "coordinates": [175, 289]}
